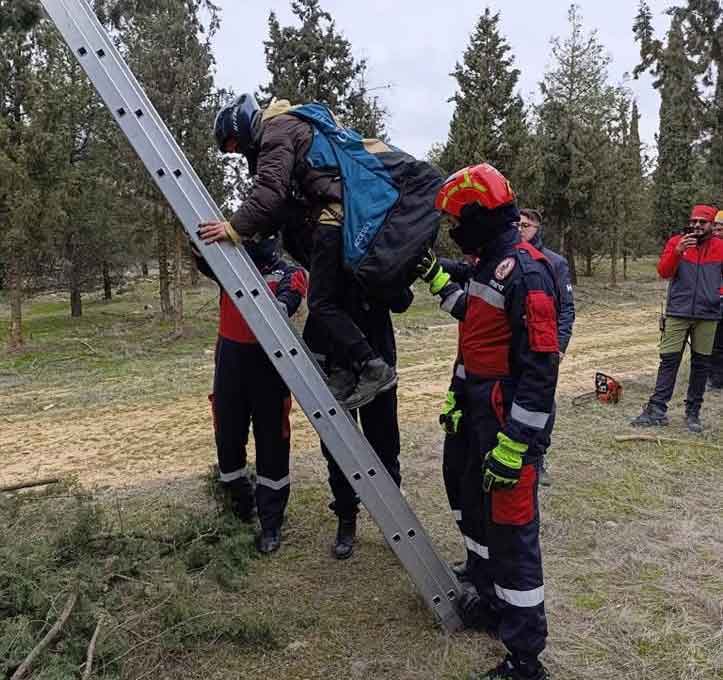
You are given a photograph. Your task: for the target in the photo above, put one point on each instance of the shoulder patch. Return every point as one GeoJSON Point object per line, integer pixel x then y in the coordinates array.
{"type": "Point", "coordinates": [504, 268]}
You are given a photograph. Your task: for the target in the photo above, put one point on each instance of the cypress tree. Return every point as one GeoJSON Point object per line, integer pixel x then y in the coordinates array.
{"type": "Point", "coordinates": [314, 62]}
{"type": "Point", "coordinates": [675, 78]}
{"type": "Point", "coordinates": [704, 19]}
{"type": "Point", "coordinates": [577, 109]}
{"type": "Point", "coordinates": [489, 119]}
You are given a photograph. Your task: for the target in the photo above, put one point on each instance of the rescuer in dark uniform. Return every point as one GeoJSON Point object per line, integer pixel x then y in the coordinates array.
{"type": "Point", "coordinates": [248, 391]}
{"type": "Point", "coordinates": [506, 305]}
{"type": "Point", "coordinates": [378, 418]}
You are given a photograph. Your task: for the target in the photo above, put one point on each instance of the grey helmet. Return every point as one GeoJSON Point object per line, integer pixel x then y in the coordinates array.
{"type": "Point", "coordinates": [241, 120]}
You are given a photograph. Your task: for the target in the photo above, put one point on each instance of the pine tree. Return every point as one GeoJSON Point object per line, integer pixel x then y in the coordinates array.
{"type": "Point", "coordinates": [21, 226]}
{"type": "Point", "coordinates": [704, 19]}
{"type": "Point", "coordinates": [71, 127]}
{"type": "Point", "coordinates": [576, 112]}
{"type": "Point", "coordinates": [489, 119]}
{"type": "Point", "coordinates": [636, 193]}
{"type": "Point", "coordinates": [168, 46]}
{"type": "Point", "coordinates": [314, 62]}
{"type": "Point", "coordinates": [680, 112]}
{"type": "Point", "coordinates": [19, 15]}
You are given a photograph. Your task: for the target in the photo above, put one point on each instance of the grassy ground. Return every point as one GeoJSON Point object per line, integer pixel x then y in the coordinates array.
{"type": "Point", "coordinates": [632, 532]}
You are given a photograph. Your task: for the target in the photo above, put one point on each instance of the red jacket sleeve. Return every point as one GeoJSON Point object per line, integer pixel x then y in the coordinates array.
{"type": "Point", "coordinates": [669, 260]}
{"type": "Point", "coordinates": [292, 289]}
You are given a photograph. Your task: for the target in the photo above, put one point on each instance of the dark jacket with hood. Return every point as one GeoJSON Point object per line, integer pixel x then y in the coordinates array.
{"type": "Point", "coordinates": [381, 197]}
{"type": "Point", "coordinates": [566, 309]}
{"type": "Point", "coordinates": [286, 189]}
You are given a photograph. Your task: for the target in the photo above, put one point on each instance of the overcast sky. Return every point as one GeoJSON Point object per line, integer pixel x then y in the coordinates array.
{"type": "Point", "coordinates": [414, 44]}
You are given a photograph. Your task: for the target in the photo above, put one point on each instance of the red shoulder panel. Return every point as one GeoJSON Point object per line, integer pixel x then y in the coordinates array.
{"type": "Point", "coordinates": [534, 253]}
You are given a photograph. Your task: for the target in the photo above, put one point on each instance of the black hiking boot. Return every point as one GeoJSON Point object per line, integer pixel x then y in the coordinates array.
{"type": "Point", "coordinates": [475, 613]}
{"type": "Point", "coordinates": [242, 499]}
{"type": "Point", "coordinates": [341, 382]}
{"type": "Point", "coordinates": [376, 376]}
{"type": "Point", "coordinates": [692, 421]}
{"type": "Point", "coordinates": [268, 541]}
{"type": "Point", "coordinates": [345, 535]}
{"type": "Point", "coordinates": [461, 571]}
{"type": "Point", "coordinates": [507, 670]}
{"type": "Point", "coordinates": [651, 416]}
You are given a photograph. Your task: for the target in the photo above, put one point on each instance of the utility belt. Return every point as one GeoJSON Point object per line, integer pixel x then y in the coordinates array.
{"type": "Point", "coordinates": [476, 378]}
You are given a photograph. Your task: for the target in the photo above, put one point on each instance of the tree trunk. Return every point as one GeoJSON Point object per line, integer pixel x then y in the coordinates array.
{"type": "Point", "coordinates": [144, 269]}
{"type": "Point", "coordinates": [569, 252]}
{"type": "Point", "coordinates": [15, 331]}
{"type": "Point", "coordinates": [178, 282]}
{"type": "Point", "coordinates": [76, 302]}
{"type": "Point", "coordinates": [163, 273]}
{"type": "Point", "coordinates": [193, 272]}
{"type": "Point", "coordinates": [614, 257]}
{"type": "Point", "coordinates": [107, 292]}
{"type": "Point", "coordinates": [588, 263]}
{"type": "Point", "coordinates": [625, 265]}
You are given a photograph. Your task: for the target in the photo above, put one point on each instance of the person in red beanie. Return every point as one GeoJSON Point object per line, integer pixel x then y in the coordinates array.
{"type": "Point", "coordinates": [693, 262]}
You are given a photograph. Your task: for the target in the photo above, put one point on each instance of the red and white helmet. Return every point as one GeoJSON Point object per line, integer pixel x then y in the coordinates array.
{"type": "Point", "coordinates": [482, 184]}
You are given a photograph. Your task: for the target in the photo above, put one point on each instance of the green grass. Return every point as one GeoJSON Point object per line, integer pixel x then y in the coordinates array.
{"type": "Point", "coordinates": [159, 581]}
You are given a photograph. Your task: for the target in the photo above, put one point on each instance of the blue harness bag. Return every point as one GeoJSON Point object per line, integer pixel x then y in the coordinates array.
{"type": "Point", "coordinates": [369, 190]}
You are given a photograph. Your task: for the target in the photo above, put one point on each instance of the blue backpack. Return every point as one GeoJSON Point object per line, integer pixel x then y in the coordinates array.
{"type": "Point", "coordinates": [369, 190]}
{"type": "Point", "coordinates": [389, 214]}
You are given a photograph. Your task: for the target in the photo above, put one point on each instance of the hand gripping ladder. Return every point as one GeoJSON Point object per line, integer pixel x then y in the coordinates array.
{"type": "Point", "coordinates": [192, 203]}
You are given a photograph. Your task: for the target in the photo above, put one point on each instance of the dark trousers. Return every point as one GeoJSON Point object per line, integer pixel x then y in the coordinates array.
{"type": "Point", "coordinates": [716, 370]}
{"type": "Point", "coordinates": [500, 528]}
{"type": "Point", "coordinates": [248, 392]}
{"type": "Point", "coordinates": [378, 419]}
{"type": "Point", "coordinates": [328, 284]}
{"type": "Point", "coordinates": [700, 366]}
{"type": "Point", "coordinates": [381, 427]}
{"type": "Point", "coordinates": [676, 333]}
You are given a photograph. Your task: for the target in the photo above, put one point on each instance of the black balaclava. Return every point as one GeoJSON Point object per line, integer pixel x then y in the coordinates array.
{"type": "Point", "coordinates": [479, 227]}
{"type": "Point", "coordinates": [264, 253]}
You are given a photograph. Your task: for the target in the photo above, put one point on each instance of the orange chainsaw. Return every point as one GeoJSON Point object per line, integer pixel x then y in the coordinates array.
{"type": "Point", "coordinates": [607, 391]}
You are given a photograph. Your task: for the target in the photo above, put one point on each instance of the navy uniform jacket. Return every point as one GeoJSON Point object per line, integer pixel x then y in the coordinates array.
{"type": "Point", "coordinates": [506, 306]}
{"type": "Point", "coordinates": [566, 316]}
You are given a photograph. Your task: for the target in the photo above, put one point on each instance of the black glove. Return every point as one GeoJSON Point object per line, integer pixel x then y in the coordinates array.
{"type": "Point", "coordinates": [428, 267]}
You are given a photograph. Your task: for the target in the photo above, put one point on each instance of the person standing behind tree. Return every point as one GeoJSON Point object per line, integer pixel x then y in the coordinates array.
{"type": "Point", "coordinates": [531, 231]}
{"type": "Point", "coordinates": [692, 261]}
{"type": "Point", "coordinates": [716, 371]}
